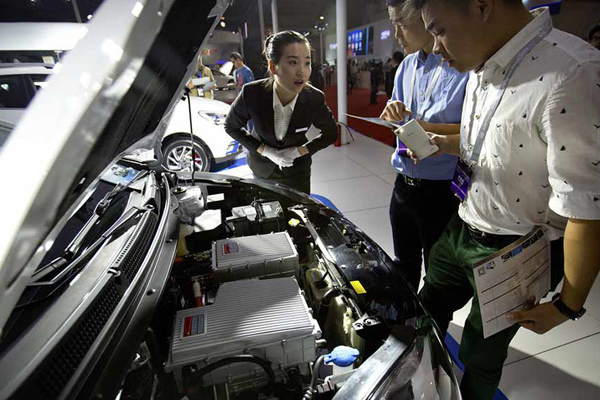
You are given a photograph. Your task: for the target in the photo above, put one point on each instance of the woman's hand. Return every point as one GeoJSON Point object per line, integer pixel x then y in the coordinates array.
{"type": "Point", "coordinates": [394, 111]}
{"type": "Point", "coordinates": [275, 156]}
{"type": "Point", "coordinates": [291, 153]}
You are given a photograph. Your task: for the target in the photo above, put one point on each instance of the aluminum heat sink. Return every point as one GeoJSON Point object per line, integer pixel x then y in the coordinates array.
{"type": "Point", "coordinates": [248, 314]}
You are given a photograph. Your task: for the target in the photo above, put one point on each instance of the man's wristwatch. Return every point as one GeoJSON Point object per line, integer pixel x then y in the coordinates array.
{"type": "Point", "coordinates": [566, 311]}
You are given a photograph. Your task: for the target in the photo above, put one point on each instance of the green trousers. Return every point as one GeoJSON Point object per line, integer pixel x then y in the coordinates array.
{"type": "Point", "coordinates": [449, 284]}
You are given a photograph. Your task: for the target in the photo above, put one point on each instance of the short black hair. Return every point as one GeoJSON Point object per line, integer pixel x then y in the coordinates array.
{"type": "Point", "coordinates": [407, 8]}
{"type": "Point", "coordinates": [593, 32]}
{"type": "Point", "coordinates": [236, 56]}
{"type": "Point", "coordinates": [398, 56]}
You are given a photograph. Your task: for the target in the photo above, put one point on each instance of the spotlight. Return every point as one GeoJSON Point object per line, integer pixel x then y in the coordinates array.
{"type": "Point", "coordinates": [223, 24]}
{"type": "Point", "coordinates": [321, 18]}
{"type": "Point", "coordinates": [89, 17]}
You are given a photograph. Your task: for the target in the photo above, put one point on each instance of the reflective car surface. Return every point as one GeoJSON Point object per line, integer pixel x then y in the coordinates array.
{"type": "Point", "coordinates": [211, 142]}
{"type": "Point", "coordinates": [122, 279]}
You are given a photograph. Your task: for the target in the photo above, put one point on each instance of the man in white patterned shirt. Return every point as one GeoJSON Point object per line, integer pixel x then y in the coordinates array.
{"type": "Point", "coordinates": [535, 162]}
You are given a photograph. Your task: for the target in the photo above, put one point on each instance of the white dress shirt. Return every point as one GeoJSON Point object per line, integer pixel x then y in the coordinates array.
{"type": "Point", "coordinates": [282, 114]}
{"type": "Point", "coordinates": [540, 161]}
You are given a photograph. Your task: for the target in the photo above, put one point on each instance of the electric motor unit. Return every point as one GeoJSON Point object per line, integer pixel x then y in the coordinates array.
{"type": "Point", "coordinates": [266, 318]}
{"type": "Point", "coordinates": [260, 256]}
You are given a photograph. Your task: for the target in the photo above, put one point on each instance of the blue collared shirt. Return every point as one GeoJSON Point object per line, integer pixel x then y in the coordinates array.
{"type": "Point", "coordinates": [243, 76]}
{"type": "Point", "coordinates": [445, 106]}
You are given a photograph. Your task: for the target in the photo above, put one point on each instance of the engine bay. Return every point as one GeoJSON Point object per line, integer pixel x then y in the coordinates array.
{"type": "Point", "coordinates": [261, 288]}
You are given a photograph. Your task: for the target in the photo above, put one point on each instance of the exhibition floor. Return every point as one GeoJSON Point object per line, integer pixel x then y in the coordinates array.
{"type": "Point", "coordinates": [562, 364]}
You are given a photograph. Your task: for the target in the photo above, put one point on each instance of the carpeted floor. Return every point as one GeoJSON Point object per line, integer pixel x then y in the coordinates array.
{"type": "Point", "coordinates": [358, 104]}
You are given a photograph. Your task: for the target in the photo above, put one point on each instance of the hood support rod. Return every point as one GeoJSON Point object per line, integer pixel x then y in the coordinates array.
{"type": "Point", "coordinates": [187, 93]}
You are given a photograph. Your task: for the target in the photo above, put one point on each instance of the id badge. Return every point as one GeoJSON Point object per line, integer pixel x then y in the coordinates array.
{"type": "Point", "coordinates": [462, 180]}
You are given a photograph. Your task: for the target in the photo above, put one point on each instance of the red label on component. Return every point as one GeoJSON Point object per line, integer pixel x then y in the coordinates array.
{"type": "Point", "coordinates": [187, 326]}
{"type": "Point", "coordinates": [229, 248]}
{"type": "Point", "coordinates": [194, 325]}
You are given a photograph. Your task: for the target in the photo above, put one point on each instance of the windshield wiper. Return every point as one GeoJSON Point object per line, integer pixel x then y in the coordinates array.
{"type": "Point", "coordinates": [75, 246]}
{"type": "Point", "coordinates": [67, 268]}
{"type": "Point", "coordinates": [65, 265]}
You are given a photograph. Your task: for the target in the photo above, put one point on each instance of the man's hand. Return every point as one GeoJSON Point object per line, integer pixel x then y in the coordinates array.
{"type": "Point", "coordinates": [394, 111]}
{"type": "Point", "coordinates": [539, 319]}
{"type": "Point", "coordinates": [439, 140]}
{"type": "Point", "coordinates": [275, 156]}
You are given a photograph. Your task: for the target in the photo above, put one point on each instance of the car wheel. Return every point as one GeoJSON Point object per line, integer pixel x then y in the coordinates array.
{"type": "Point", "coordinates": [177, 154]}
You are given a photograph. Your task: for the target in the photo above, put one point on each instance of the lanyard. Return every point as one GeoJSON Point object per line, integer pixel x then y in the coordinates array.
{"type": "Point", "coordinates": [516, 61]}
{"type": "Point", "coordinates": [428, 92]}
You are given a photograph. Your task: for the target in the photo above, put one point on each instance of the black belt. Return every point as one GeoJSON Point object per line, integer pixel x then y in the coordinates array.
{"type": "Point", "coordinates": [489, 239]}
{"type": "Point", "coordinates": [411, 181]}
{"type": "Point", "coordinates": [416, 182]}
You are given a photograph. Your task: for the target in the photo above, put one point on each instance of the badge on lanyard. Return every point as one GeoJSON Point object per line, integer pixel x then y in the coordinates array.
{"type": "Point", "coordinates": [462, 180]}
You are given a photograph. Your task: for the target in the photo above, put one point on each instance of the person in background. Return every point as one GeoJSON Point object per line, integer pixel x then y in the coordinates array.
{"type": "Point", "coordinates": [530, 144]}
{"type": "Point", "coordinates": [350, 77]}
{"type": "Point", "coordinates": [328, 73]}
{"type": "Point", "coordinates": [242, 74]}
{"type": "Point", "coordinates": [316, 77]}
{"type": "Point", "coordinates": [376, 77]}
{"type": "Point", "coordinates": [291, 119]}
{"type": "Point", "coordinates": [428, 90]}
{"type": "Point", "coordinates": [202, 71]}
{"type": "Point", "coordinates": [397, 58]}
{"type": "Point", "coordinates": [594, 37]}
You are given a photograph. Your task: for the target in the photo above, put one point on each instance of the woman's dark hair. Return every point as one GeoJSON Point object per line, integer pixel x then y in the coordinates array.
{"type": "Point", "coordinates": [275, 44]}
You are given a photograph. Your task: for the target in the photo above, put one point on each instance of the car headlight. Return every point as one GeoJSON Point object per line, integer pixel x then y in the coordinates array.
{"type": "Point", "coordinates": [215, 118]}
{"type": "Point", "coordinates": [411, 364]}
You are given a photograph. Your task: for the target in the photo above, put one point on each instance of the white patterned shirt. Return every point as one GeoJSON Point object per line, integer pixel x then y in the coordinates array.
{"type": "Point", "coordinates": [540, 161]}
{"type": "Point", "coordinates": [282, 114]}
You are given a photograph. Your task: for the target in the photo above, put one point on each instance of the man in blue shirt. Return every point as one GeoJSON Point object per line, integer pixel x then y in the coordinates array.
{"type": "Point", "coordinates": [428, 90]}
{"type": "Point", "coordinates": [242, 74]}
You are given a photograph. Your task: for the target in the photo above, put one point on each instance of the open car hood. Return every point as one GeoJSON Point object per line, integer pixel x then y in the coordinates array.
{"type": "Point", "coordinates": [112, 89]}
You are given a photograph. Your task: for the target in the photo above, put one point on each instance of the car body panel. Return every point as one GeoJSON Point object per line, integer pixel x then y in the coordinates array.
{"type": "Point", "coordinates": [79, 110]}
{"type": "Point", "coordinates": [211, 133]}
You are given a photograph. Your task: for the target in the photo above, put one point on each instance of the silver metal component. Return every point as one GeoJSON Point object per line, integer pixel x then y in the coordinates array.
{"type": "Point", "coordinates": [272, 255]}
{"type": "Point", "coordinates": [265, 318]}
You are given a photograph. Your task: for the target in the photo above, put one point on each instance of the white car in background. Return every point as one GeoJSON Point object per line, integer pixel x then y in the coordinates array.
{"type": "Point", "coordinates": [19, 84]}
{"type": "Point", "coordinates": [213, 145]}
{"type": "Point", "coordinates": [26, 61]}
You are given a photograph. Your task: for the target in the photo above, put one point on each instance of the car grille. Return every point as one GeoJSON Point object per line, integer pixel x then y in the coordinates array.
{"type": "Point", "coordinates": [131, 259]}
{"type": "Point", "coordinates": [63, 363]}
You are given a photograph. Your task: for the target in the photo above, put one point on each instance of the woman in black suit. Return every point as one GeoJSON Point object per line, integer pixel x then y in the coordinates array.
{"type": "Point", "coordinates": [290, 118]}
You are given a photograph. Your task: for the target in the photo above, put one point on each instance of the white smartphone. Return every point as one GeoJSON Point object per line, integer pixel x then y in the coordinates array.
{"type": "Point", "coordinates": [416, 139]}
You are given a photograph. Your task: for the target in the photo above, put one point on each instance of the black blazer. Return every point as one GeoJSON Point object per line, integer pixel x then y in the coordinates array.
{"type": "Point", "coordinates": [255, 102]}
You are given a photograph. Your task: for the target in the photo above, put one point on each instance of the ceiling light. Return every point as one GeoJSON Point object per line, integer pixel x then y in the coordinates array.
{"type": "Point", "coordinates": [321, 18]}
{"type": "Point", "coordinates": [89, 17]}
{"type": "Point", "coordinates": [223, 24]}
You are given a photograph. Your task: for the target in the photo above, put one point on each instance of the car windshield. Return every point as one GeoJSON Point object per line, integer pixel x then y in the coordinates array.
{"type": "Point", "coordinates": [17, 91]}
